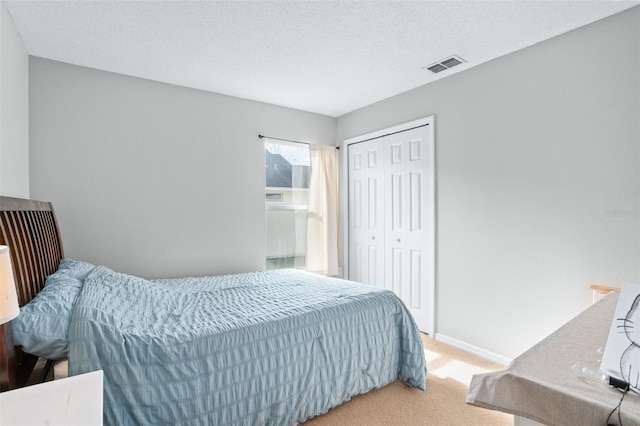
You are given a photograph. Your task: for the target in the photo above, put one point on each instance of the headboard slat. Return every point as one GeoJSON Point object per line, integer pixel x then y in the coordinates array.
{"type": "Point", "coordinates": [27, 249]}
{"type": "Point", "coordinates": [54, 240]}
{"type": "Point", "coordinates": [21, 250]}
{"type": "Point", "coordinates": [38, 254]}
{"type": "Point", "coordinates": [40, 233]}
{"type": "Point", "coordinates": [34, 250]}
{"type": "Point", "coordinates": [49, 238]}
{"type": "Point", "coordinates": [32, 256]}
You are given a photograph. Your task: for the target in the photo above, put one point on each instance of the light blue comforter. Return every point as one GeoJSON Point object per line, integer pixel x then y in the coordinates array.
{"type": "Point", "coordinates": [273, 347]}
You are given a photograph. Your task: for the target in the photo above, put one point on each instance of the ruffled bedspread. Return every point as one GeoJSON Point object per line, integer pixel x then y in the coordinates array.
{"type": "Point", "coordinates": [273, 347]}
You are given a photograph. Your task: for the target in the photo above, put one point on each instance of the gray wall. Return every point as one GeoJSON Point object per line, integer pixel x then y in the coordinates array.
{"type": "Point", "coordinates": [538, 186]}
{"type": "Point", "coordinates": [14, 110]}
{"type": "Point", "coordinates": [153, 179]}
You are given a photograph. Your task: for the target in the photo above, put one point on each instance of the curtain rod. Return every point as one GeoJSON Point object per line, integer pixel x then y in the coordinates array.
{"type": "Point", "coordinates": [286, 140]}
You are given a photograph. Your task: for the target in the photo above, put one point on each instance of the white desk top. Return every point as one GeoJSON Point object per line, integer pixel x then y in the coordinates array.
{"type": "Point", "coordinates": [76, 400]}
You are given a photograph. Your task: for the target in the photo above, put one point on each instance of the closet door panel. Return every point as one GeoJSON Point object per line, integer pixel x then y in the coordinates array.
{"type": "Point", "coordinates": [416, 279]}
{"type": "Point", "coordinates": [406, 236]}
{"type": "Point", "coordinates": [395, 198]}
{"type": "Point", "coordinates": [395, 268]}
{"type": "Point", "coordinates": [416, 206]}
{"type": "Point", "coordinates": [366, 227]}
{"type": "Point", "coordinates": [395, 215]}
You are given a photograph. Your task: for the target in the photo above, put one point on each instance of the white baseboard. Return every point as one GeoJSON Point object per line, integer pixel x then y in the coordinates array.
{"type": "Point", "coordinates": [522, 421]}
{"type": "Point", "coordinates": [491, 356]}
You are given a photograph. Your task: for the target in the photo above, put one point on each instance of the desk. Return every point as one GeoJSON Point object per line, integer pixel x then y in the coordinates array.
{"type": "Point", "coordinates": [539, 384]}
{"type": "Point", "coordinates": [76, 400]}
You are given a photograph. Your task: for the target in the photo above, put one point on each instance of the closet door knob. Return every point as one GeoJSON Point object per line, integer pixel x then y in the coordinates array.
{"type": "Point", "coordinates": [373, 238]}
{"type": "Point", "coordinates": [398, 240]}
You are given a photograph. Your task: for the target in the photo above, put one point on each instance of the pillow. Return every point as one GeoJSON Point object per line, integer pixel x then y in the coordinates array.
{"type": "Point", "coordinates": [42, 325]}
{"type": "Point", "coordinates": [75, 268]}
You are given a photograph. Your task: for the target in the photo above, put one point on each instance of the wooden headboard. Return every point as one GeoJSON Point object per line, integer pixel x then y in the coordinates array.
{"type": "Point", "coordinates": [31, 231]}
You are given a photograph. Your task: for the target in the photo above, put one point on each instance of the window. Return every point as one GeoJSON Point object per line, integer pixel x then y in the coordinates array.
{"type": "Point", "coordinates": [287, 168]}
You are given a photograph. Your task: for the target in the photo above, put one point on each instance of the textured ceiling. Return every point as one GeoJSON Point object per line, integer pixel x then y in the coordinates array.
{"type": "Point", "coordinates": [329, 57]}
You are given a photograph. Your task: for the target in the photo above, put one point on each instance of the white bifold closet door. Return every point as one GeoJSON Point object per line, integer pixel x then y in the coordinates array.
{"type": "Point", "coordinates": [390, 239]}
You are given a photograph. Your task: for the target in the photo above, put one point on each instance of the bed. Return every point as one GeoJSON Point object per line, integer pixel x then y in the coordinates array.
{"type": "Point", "coordinates": [274, 347]}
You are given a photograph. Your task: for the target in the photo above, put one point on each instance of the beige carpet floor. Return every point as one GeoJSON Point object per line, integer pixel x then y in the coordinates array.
{"type": "Point", "coordinates": [449, 371]}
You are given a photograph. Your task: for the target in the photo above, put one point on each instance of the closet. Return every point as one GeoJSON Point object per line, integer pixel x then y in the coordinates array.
{"type": "Point", "coordinates": [390, 178]}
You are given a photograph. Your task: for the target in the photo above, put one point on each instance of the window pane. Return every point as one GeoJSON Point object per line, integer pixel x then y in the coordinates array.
{"type": "Point", "coordinates": [286, 238]}
{"type": "Point", "coordinates": [286, 198]}
{"type": "Point", "coordinates": [287, 165]}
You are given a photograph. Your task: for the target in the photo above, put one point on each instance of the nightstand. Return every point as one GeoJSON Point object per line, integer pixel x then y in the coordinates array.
{"type": "Point", "coordinates": [75, 400]}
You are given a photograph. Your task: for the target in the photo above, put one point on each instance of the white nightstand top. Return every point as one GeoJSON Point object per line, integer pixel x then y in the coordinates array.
{"type": "Point", "coordinates": [75, 400]}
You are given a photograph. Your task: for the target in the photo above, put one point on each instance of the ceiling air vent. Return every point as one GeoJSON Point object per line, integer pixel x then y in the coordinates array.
{"type": "Point", "coordinates": [445, 64]}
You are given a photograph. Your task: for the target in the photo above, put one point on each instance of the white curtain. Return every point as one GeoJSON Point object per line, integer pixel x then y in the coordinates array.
{"type": "Point", "coordinates": [322, 213]}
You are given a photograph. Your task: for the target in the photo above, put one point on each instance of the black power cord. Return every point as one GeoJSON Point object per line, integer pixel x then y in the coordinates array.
{"type": "Point", "coordinates": [624, 388]}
